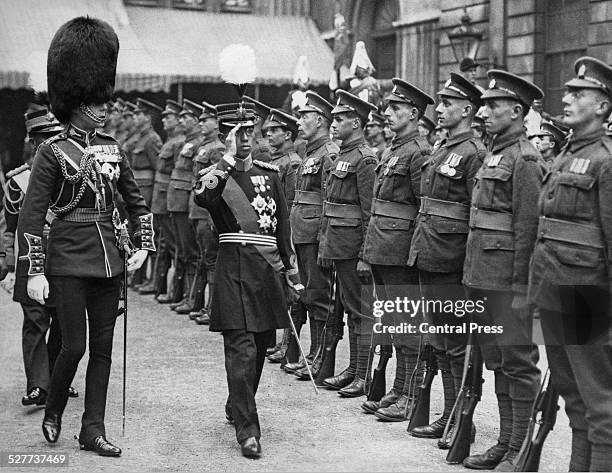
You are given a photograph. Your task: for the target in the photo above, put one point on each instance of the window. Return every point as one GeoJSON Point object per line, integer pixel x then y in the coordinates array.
{"type": "Point", "coordinates": [565, 41]}
{"type": "Point", "coordinates": [237, 6]}
{"type": "Point", "coordinates": [384, 40]}
{"type": "Point", "coordinates": [197, 4]}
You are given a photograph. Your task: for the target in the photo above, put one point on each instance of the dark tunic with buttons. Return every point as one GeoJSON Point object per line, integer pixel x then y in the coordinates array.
{"type": "Point", "coordinates": [577, 190]}
{"type": "Point", "coordinates": [508, 185]}
{"type": "Point", "coordinates": [438, 243]}
{"type": "Point", "coordinates": [351, 182]}
{"type": "Point", "coordinates": [312, 177]}
{"type": "Point", "coordinates": [165, 165]}
{"type": "Point", "coordinates": [80, 249]}
{"type": "Point", "coordinates": [210, 152]}
{"type": "Point", "coordinates": [396, 199]}
{"type": "Point", "coordinates": [248, 293]}
{"type": "Point", "coordinates": [182, 174]}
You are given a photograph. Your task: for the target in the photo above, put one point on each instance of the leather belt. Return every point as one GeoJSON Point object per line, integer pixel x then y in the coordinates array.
{"type": "Point", "coordinates": [386, 208]}
{"type": "Point", "coordinates": [570, 232]}
{"type": "Point", "coordinates": [307, 198]}
{"type": "Point", "coordinates": [444, 208]}
{"type": "Point", "coordinates": [87, 215]}
{"type": "Point", "coordinates": [143, 173]}
{"type": "Point", "coordinates": [182, 175]}
{"type": "Point", "coordinates": [331, 209]}
{"type": "Point", "coordinates": [247, 239]}
{"type": "Point", "coordinates": [490, 220]}
{"type": "Point", "coordinates": [162, 178]}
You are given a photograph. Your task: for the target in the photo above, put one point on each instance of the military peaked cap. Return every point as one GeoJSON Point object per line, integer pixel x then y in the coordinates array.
{"type": "Point", "coordinates": [147, 107]}
{"type": "Point", "coordinates": [459, 87]}
{"type": "Point", "coordinates": [592, 73]}
{"type": "Point", "coordinates": [172, 108]}
{"type": "Point", "coordinates": [404, 92]}
{"type": "Point", "coordinates": [505, 85]}
{"type": "Point", "coordinates": [316, 103]}
{"type": "Point", "coordinates": [281, 119]}
{"type": "Point", "coordinates": [208, 111]}
{"type": "Point", "coordinates": [351, 103]}
{"type": "Point", "coordinates": [261, 109]}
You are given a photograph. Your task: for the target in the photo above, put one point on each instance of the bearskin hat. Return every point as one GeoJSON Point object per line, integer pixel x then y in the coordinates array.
{"type": "Point", "coordinates": [81, 65]}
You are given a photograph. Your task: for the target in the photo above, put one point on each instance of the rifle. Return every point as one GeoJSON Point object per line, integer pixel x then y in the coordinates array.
{"type": "Point", "coordinates": [334, 324]}
{"type": "Point", "coordinates": [547, 404]}
{"type": "Point", "coordinates": [463, 410]}
{"type": "Point", "coordinates": [378, 385]}
{"type": "Point", "coordinates": [420, 407]}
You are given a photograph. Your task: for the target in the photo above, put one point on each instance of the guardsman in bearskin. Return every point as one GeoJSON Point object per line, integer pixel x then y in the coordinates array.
{"type": "Point", "coordinates": [261, 147]}
{"type": "Point", "coordinates": [375, 133]}
{"type": "Point", "coordinates": [247, 203]}
{"type": "Point", "coordinates": [159, 203]}
{"type": "Point", "coordinates": [552, 137]}
{"type": "Point", "coordinates": [503, 226]}
{"type": "Point", "coordinates": [38, 355]}
{"type": "Point", "coordinates": [571, 267]}
{"type": "Point", "coordinates": [178, 204]}
{"type": "Point", "coordinates": [76, 174]}
{"type": "Point", "coordinates": [209, 153]}
{"type": "Point", "coordinates": [387, 243]}
{"type": "Point", "coordinates": [440, 235]}
{"type": "Point", "coordinates": [306, 213]}
{"type": "Point", "coordinates": [346, 214]}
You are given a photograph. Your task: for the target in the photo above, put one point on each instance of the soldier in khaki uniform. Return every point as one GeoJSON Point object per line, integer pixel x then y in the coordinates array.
{"type": "Point", "coordinates": [130, 129]}
{"type": "Point", "coordinates": [159, 203]}
{"type": "Point", "coordinates": [179, 192]}
{"type": "Point", "coordinates": [552, 139]}
{"type": "Point", "coordinates": [503, 225]}
{"type": "Point", "coordinates": [375, 133]}
{"type": "Point", "coordinates": [571, 270]}
{"type": "Point", "coordinates": [209, 153]}
{"type": "Point", "coordinates": [281, 129]}
{"type": "Point", "coordinates": [346, 216]}
{"type": "Point", "coordinates": [305, 218]}
{"type": "Point", "coordinates": [261, 147]}
{"type": "Point", "coordinates": [438, 244]}
{"type": "Point", "coordinates": [126, 128]}
{"type": "Point", "coordinates": [387, 243]}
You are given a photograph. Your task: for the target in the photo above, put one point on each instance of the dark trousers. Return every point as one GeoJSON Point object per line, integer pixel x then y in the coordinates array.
{"type": "Point", "coordinates": [186, 245]}
{"type": "Point", "coordinates": [512, 355]}
{"type": "Point", "coordinates": [207, 240]}
{"type": "Point", "coordinates": [392, 282]}
{"type": "Point", "coordinates": [580, 359]}
{"type": "Point", "coordinates": [245, 353]}
{"type": "Point", "coordinates": [73, 298]}
{"type": "Point", "coordinates": [168, 239]}
{"type": "Point", "coordinates": [316, 280]}
{"type": "Point", "coordinates": [356, 302]}
{"type": "Point", "coordinates": [38, 354]}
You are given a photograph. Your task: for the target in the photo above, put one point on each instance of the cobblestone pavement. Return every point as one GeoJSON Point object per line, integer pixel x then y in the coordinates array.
{"type": "Point", "coordinates": [175, 421]}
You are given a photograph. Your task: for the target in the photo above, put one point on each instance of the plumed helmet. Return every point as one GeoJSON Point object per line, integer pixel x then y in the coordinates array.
{"type": "Point", "coordinates": [81, 65]}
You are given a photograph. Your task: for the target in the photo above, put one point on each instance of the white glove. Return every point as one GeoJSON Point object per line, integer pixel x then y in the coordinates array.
{"type": "Point", "coordinates": [136, 260]}
{"type": "Point", "coordinates": [38, 288]}
{"type": "Point", "coordinates": [8, 283]}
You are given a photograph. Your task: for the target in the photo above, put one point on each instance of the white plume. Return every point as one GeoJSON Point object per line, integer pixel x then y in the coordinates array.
{"type": "Point", "coordinates": [237, 64]}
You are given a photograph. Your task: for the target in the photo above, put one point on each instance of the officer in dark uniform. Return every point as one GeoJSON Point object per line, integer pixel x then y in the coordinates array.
{"type": "Point", "coordinates": [375, 133]}
{"type": "Point", "coordinates": [209, 153]}
{"type": "Point", "coordinates": [438, 244]}
{"type": "Point", "coordinates": [571, 269]}
{"type": "Point", "coordinates": [38, 355]}
{"type": "Point", "coordinates": [503, 225]}
{"type": "Point", "coordinates": [552, 139]}
{"type": "Point", "coordinates": [247, 204]}
{"type": "Point", "coordinates": [159, 204]}
{"type": "Point", "coordinates": [76, 174]}
{"type": "Point", "coordinates": [346, 216]}
{"type": "Point", "coordinates": [387, 243]}
{"type": "Point", "coordinates": [178, 203]}
{"type": "Point", "coordinates": [321, 152]}
{"type": "Point", "coordinates": [261, 147]}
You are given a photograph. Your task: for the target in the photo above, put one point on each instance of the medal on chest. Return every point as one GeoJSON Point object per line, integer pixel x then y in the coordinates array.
{"type": "Point", "coordinates": [260, 183]}
{"type": "Point", "coordinates": [266, 210]}
{"type": "Point", "coordinates": [343, 166]}
{"type": "Point", "coordinates": [450, 163]}
{"type": "Point", "coordinates": [579, 165]}
{"type": "Point", "coordinates": [309, 166]}
{"type": "Point", "coordinates": [108, 158]}
{"type": "Point", "coordinates": [390, 164]}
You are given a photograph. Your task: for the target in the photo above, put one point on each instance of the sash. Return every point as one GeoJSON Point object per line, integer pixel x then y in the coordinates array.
{"type": "Point", "coordinates": [245, 215]}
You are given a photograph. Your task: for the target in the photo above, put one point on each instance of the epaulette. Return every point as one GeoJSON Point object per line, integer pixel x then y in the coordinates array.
{"type": "Point", "coordinates": [206, 170]}
{"type": "Point", "coordinates": [607, 142]}
{"type": "Point", "coordinates": [17, 170]}
{"type": "Point", "coordinates": [54, 138]}
{"type": "Point", "coordinates": [528, 151]}
{"type": "Point", "coordinates": [366, 151]}
{"type": "Point", "coordinates": [105, 135]}
{"type": "Point", "coordinates": [263, 164]}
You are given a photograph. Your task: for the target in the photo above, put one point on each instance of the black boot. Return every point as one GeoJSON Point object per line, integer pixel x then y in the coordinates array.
{"type": "Point", "coordinates": [487, 460]}
{"type": "Point", "coordinates": [52, 426]}
{"type": "Point", "coordinates": [189, 284]}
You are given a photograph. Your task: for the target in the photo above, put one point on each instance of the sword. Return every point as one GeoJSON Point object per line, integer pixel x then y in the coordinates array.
{"type": "Point", "coordinates": [297, 339]}
{"type": "Point", "coordinates": [124, 240]}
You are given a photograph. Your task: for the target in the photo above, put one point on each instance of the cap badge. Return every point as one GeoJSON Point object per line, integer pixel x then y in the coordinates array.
{"type": "Point", "coordinates": [448, 83]}
{"type": "Point", "coordinates": [492, 84]}
{"type": "Point", "coordinates": [581, 71]}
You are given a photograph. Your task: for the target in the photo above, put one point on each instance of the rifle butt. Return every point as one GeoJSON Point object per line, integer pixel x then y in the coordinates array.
{"type": "Point", "coordinates": [379, 385]}
{"type": "Point", "coordinates": [460, 448]}
{"type": "Point", "coordinates": [420, 412]}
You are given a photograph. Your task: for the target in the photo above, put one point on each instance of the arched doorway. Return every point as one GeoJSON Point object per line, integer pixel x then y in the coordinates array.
{"type": "Point", "coordinates": [373, 24]}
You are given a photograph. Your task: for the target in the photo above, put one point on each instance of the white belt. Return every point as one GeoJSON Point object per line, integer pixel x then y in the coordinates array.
{"type": "Point", "coordinates": [247, 239]}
